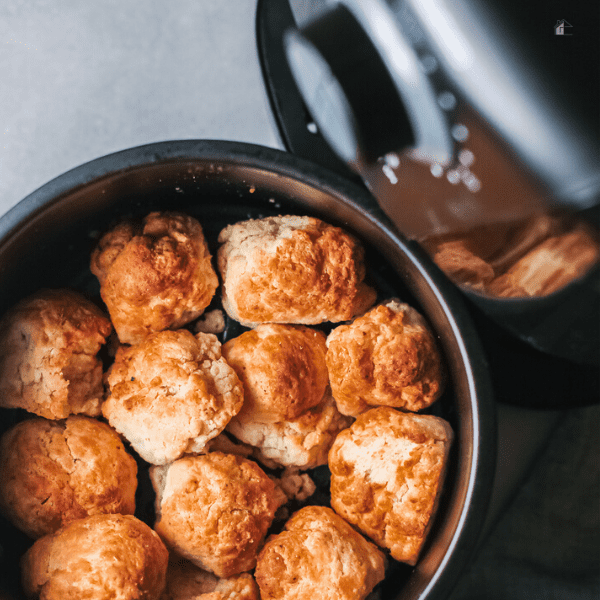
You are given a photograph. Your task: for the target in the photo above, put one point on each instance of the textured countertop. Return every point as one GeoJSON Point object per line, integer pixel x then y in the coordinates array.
{"type": "Point", "coordinates": [79, 80]}
{"type": "Point", "coordinates": [83, 79]}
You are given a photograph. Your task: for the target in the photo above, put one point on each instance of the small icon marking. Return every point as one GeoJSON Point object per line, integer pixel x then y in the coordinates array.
{"type": "Point", "coordinates": [562, 27]}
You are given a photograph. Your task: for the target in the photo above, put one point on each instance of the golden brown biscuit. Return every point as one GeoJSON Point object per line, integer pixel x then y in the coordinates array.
{"type": "Point", "coordinates": [48, 355]}
{"type": "Point", "coordinates": [54, 472]}
{"type": "Point", "coordinates": [282, 368]}
{"type": "Point", "coordinates": [171, 394]}
{"type": "Point", "coordinates": [386, 357]}
{"type": "Point", "coordinates": [186, 581]}
{"type": "Point", "coordinates": [291, 269]}
{"type": "Point", "coordinates": [318, 557]}
{"type": "Point", "coordinates": [387, 471]}
{"type": "Point", "coordinates": [215, 510]}
{"type": "Point", "coordinates": [288, 413]}
{"type": "Point", "coordinates": [154, 276]}
{"type": "Point", "coordinates": [102, 557]}
{"type": "Point", "coordinates": [302, 442]}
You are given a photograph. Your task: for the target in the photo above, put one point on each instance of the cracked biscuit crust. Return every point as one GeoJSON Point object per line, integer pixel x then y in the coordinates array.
{"type": "Point", "coordinates": [215, 510]}
{"type": "Point", "coordinates": [54, 472]}
{"type": "Point", "coordinates": [387, 357]}
{"type": "Point", "coordinates": [318, 557]}
{"type": "Point", "coordinates": [302, 442]}
{"type": "Point", "coordinates": [288, 413]}
{"type": "Point", "coordinates": [48, 355]}
{"type": "Point", "coordinates": [387, 471]}
{"type": "Point", "coordinates": [291, 269]}
{"type": "Point", "coordinates": [282, 368]}
{"type": "Point", "coordinates": [171, 394]}
{"type": "Point", "coordinates": [96, 558]}
{"type": "Point", "coordinates": [186, 581]}
{"type": "Point", "coordinates": [154, 276]}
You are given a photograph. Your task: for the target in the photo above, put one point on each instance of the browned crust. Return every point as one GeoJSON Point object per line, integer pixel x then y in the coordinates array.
{"type": "Point", "coordinates": [48, 355]}
{"type": "Point", "coordinates": [171, 394]}
{"type": "Point", "coordinates": [186, 581]}
{"type": "Point", "coordinates": [291, 269]}
{"type": "Point", "coordinates": [99, 557]}
{"type": "Point", "coordinates": [387, 471]}
{"type": "Point", "coordinates": [318, 557]}
{"type": "Point", "coordinates": [215, 510]}
{"type": "Point", "coordinates": [54, 472]}
{"type": "Point", "coordinates": [282, 368]}
{"type": "Point", "coordinates": [386, 357]}
{"type": "Point", "coordinates": [154, 276]}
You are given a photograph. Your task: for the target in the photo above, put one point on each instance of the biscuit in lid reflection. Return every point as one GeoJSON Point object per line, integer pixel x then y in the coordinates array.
{"type": "Point", "coordinates": [527, 259]}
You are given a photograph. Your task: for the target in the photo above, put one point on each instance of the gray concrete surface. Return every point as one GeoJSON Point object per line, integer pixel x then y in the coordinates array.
{"type": "Point", "coordinates": [79, 80]}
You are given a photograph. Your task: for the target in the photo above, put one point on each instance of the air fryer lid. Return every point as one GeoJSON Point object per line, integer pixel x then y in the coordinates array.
{"type": "Point", "coordinates": [563, 326]}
